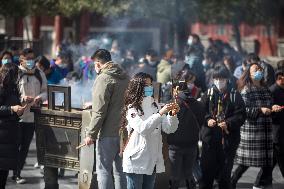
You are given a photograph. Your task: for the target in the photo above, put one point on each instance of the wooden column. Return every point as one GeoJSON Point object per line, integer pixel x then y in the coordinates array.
{"type": "Point", "coordinates": [36, 22]}
{"type": "Point", "coordinates": [84, 25]}
{"type": "Point", "coordinates": [58, 28]}
{"type": "Point", "coordinates": [19, 27]}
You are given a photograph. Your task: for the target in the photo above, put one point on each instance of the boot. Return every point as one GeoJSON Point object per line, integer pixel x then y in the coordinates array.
{"type": "Point", "coordinates": [190, 184]}
{"type": "Point", "coordinates": [237, 175]}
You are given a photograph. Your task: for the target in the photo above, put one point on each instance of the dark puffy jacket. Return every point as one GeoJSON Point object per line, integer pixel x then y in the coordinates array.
{"type": "Point", "coordinates": [278, 118]}
{"type": "Point", "coordinates": [234, 114]}
{"type": "Point", "coordinates": [8, 128]}
{"type": "Point", "coordinates": [191, 117]}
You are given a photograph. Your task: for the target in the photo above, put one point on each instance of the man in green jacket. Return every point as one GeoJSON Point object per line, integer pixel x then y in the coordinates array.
{"type": "Point", "coordinates": [108, 93]}
{"type": "Point", "coordinates": [164, 68]}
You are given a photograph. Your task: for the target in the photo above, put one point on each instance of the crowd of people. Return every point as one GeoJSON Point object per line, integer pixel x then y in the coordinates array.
{"type": "Point", "coordinates": [230, 101]}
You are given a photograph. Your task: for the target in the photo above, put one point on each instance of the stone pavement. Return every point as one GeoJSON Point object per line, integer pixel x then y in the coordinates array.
{"type": "Point", "coordinates": [35, 178]}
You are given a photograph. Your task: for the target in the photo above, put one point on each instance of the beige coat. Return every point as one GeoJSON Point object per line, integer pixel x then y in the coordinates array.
{"type": "Point", "coordinates": [29, 85]}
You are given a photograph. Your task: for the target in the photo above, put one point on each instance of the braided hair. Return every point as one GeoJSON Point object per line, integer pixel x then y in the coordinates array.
{"type": "Point", "coordinates": [134, 95]}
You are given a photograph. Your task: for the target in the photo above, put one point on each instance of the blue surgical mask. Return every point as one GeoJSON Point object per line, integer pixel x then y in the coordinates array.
{"type": "Point", "coordinates": [62, 65]}
{"type": "Point", "coordinates": [30, 64]}
{"type": "Point", "coordinates": [5, 61]}
{"type": "Point", "coordinates": [258, 75]}
{"type": "Point", "coordinates": [148, 91]}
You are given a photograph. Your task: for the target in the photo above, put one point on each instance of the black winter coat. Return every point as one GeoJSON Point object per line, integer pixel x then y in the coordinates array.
{"type": "Point", "coordinates": [278, 118]}
{"type": "Point", "coordinates": [234, 115]}
{"type": "Point", "coordinates": [8, 128]}
{"type": "Point", "coordinates": [191, 117]}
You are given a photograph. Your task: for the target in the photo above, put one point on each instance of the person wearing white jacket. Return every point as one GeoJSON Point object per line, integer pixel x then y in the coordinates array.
{"type": "Point", "coordinates": [144, 120]}
{"type": "Point", "coordinates": [32, 85]}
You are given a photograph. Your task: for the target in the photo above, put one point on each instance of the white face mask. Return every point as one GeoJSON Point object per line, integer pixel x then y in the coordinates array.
{"type": "Point", "coordinates": [190, 86]}
{"type": "Point", "coordinates": [220, 84]}
{"type": "Point", "coordinates": [190, 41]}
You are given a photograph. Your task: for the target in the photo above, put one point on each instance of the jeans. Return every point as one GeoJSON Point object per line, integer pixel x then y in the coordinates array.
{"type": "Point", "coordinates": [26, 135]}
{"type": "Point", "coordinates": [108, 161]}
{"type": "Point", "coordinates": [140, 181]}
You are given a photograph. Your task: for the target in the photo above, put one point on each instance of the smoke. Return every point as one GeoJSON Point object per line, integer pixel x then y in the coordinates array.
{"type": "Point", "coordinates": [81, 93]}
{"type": "Point", "coordinates": [117, 39]}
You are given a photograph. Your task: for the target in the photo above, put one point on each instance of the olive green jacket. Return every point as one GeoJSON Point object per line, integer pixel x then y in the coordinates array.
{"type": "Point", "coordinates": [108, 97]}
{"type": "Point", "coordinates": [164, 72]}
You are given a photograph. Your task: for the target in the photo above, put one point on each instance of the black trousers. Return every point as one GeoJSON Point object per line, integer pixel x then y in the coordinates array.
{"type": "Point", "coordinates": [216, 163]}
{"type": "Point", "coordinates": [265, 175]}
{"type": "Point", "coordinates": [51, 178]}
{"type": "Point", "coordinates": [26, 133]}
{"type": "Point", "coordinates": [181, 161]}
{"type": "Point", "coordinates": [3, 178]}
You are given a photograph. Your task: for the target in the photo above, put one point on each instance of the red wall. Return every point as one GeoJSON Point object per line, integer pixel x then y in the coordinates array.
{"type": "Point", "coordinates": [224, 32]}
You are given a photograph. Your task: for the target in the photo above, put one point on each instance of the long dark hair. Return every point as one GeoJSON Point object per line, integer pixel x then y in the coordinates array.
{"type": "Point", "coordinates": [8, 75]}
{"type": "Point", "coordinates": [134, 95]}
{"type": "Point", "coordinates": [245, 79]}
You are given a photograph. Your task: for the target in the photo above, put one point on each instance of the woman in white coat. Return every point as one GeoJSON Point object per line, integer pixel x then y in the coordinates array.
{"type": "Point", "coordinates": [144, 120]}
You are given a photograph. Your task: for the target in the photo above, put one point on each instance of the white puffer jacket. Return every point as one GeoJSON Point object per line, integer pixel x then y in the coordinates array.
{"type": "Point", "coordinates": [29, 85]}
{"type": "Point", "coordinates": [144, 149]}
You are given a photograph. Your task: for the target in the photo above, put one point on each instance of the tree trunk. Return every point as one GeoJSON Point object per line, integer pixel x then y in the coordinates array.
{"type": "Point", "coordinates": [181, 34]}
{"type": "Point", "coordinates": [171, 41]}
{"type": "Point", "coordinates": [77, 25]}
{"type": "Point", "coordinates": [237, 35]}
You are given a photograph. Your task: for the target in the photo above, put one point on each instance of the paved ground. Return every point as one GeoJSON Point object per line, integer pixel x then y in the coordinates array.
{"type": "Point", "coordinates": [35, 178]}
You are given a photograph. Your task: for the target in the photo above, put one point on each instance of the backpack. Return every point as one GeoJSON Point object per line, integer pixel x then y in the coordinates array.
{"type": "Point", "coordinates": [36, 74]}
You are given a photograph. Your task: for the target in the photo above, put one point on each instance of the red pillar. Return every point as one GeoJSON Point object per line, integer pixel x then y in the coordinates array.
{"type": "Point", "coordinates": [19, 27]}
{"type": "Point", "coordinates": [84, 25]}
{"type": "Point", "coordinates": [36, 22]}
{"type": "Point", "coordinates": [58, 28]}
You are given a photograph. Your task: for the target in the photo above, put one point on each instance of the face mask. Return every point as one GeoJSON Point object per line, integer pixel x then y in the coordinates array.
{"type": "Point", "coordinates": [258, 75]}
{"type": "Point", "coordinates": [5, 61]}
{"type": "Point", "coordinates": [205, 64]}
{"type": "Point", "coordinates": [30, 64]}
{"type": "Point", "coordinates": [63, 66]}
{"type": "Point", "coordinates": [190, 41]}
{"type": "Point", "coordinates": [148, 91]}
{"type": "Point", "coordinates": [190, 61]}
{"type": "Point", "coordinates": [220, 84]}
{"type": "Point", "coordinates": [190, 86]}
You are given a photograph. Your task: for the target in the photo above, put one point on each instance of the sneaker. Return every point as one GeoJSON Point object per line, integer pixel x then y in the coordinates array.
{"type": "Point", "coordinates": [258, 187]}
{"type": "Point", "coordinates": [20, 180]}
{"type": "Point", "coordinates": [269, 186]}
{"type": "Point", "coordinates": [36, 165]}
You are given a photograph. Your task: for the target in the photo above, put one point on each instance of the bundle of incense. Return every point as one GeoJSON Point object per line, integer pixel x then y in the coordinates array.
{"type": "Point", "coordinates": [80, 146]}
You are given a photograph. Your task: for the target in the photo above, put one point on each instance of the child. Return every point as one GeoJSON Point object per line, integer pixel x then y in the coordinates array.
{"type": "Point", "coordinates": [144, 120]}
